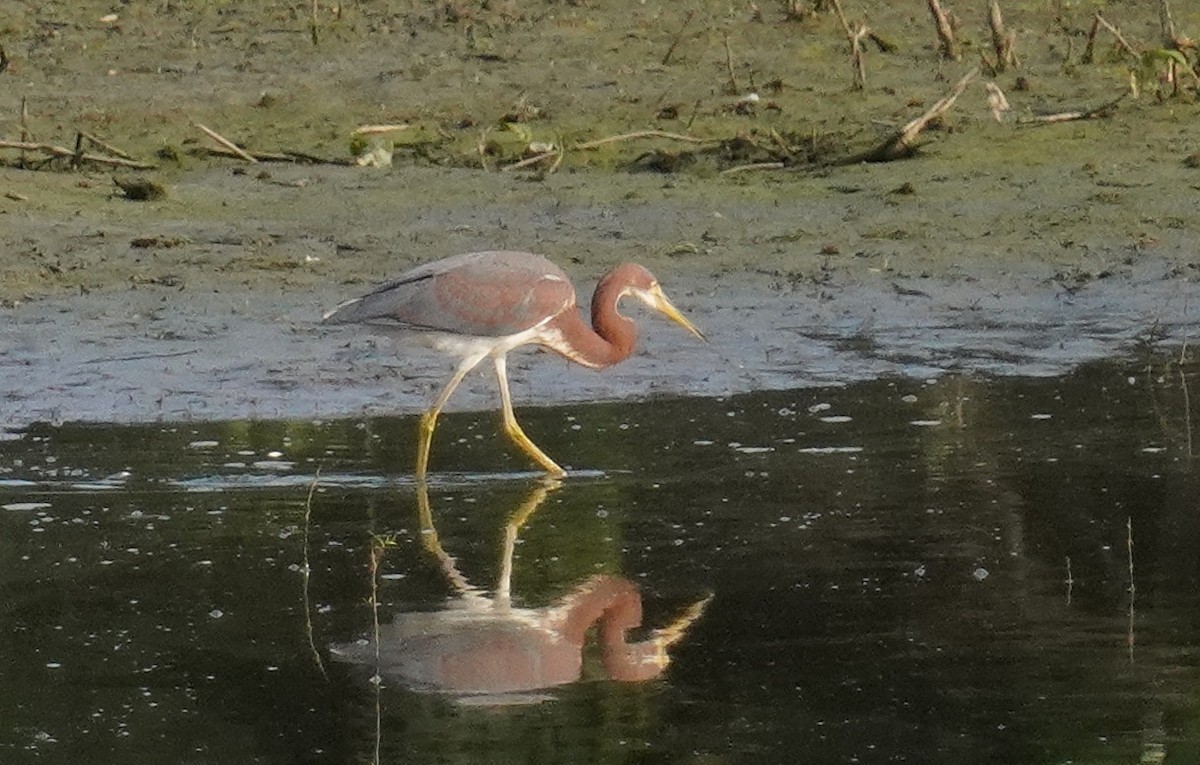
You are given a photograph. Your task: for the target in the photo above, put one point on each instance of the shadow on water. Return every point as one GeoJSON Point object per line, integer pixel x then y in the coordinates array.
{"type": "Point", "coordinates": [962, 570]}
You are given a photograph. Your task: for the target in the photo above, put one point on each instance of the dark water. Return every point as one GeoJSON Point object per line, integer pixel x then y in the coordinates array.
{"type": "Point", "coordinates": [901, 572]}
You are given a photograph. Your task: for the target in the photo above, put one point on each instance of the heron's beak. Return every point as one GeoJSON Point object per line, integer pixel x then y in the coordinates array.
{"type": "Point", "coordinates": [664, 306]}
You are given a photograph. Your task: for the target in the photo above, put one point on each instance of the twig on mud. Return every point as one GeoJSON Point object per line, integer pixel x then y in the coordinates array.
{"type": "Point", "coordinates": [678, 36]}
{"type": "Point", "coordinates": [902, 143]}
{"type": "Point", "coordinates": [536, 158]}
{"type": "Point", "coordinates": [1097, 22]}
{"type": "Point", "coordinates": [643, 134]}
{"type": "Point", "coordinates": [945, 31]}
{"type": "Point", "coordinates": [225, 142]}
{"type": "Point", "coordinates": [753, 166]}
{"type": "Point", "coordinates": [75, 156]}
{"type": "Point", "coordinates": [275, 156]}
{"type": "Point", "coordinates": [106, 146]}
{"type": "Point", "coordinates": [1104, 110]}
{"type": "Point", "coordinates": [379, 129]}
{"type": "Point", "coordinates": [312, 24]}
{"type": "Point", "coordinates": [3, 60]}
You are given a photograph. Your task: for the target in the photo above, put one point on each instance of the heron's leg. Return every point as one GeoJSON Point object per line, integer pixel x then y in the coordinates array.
{"type": "Point", "coordinates": [429, 538]}
{"type": "Point", "coordinates": [514, 430]}
{"type": "Point", "coordinates": [518, 519]}
{"type": "Point", "coordinates": [429, 419]}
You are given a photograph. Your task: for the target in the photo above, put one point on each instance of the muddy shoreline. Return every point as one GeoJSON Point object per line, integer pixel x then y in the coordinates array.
{"type": "Point", "coordinates": [1003, 248]}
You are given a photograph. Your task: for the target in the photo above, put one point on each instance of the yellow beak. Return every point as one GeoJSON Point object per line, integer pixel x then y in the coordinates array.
{"type": "Point", "coordinates": [661, 304]}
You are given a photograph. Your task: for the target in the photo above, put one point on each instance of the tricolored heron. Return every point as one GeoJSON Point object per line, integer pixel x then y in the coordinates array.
{"type": "Point", "coordinates": [484, 646]}
{"type": "Point", "coordinates": [484, 304]}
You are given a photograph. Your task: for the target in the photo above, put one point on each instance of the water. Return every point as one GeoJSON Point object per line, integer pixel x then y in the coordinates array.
{"type": "Point", "coordinates": [900, 572]}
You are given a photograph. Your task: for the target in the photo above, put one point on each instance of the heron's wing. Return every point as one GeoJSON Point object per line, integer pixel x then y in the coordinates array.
{"type": "Point", "coordinates": [485, 294]}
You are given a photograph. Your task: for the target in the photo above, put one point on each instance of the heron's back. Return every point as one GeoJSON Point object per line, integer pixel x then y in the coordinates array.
{"type": "Point", "coordinates": [480, 294]}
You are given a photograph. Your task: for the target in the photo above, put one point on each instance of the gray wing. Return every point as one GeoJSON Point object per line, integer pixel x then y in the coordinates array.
{"type": "Point", "coordinates": [484, 294]}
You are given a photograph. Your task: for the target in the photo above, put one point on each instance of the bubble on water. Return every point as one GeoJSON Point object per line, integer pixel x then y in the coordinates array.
{"type": "Point", "coordinates": [920, 570]}
{"type": "Point", "coordinates": [835, 418]}
{"type": "Point", "coordinates": [909, 399]}
{"type": "Point", "coordinates": [980, 574]}
{"type": "Point", "coordinates": [925, 423]}
{"type": "Point", "coordinates": [1041, 416]}
{"type": "Point", "coordinates": [204, 444]}
{"type": "Point", "coordinates": [819, 408]}
{"type": "Point", "coordinates": [216, 613]}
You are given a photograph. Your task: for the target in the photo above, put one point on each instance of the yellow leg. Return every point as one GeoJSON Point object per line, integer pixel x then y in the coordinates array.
{"type": "Point", "coordinates": [518, 519]}
{"type": "Point", "coordinates": [429, 419]}
{"type": "Point", "coordinates": [514, 430]}
{"type": "Point", "coordinates": [429, 538]}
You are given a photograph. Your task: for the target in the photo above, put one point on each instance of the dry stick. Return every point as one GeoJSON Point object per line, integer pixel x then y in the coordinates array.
{"type": "Point", "coordinates": [855, 40]}
{"type": "Point", "coordinates": [380, 129]}
{"type": "Point", "coordinates": [733, 83]}
{"type": "Point", "coordinates": [1170, 36]}
{"type": "Point", "coordinates": [59, 151]}
{"type": "Point", "coordinates": [78, 153]}
{"type": "Point", "coordinates": [945, 32]}
{"type": "Point", "coordinates": [1104, 110]}
{"type": "Point", "coordinates": [753, 166]}
{"type": "Point", "coordinates": [837, 7]}
{"type": "Point", "coordinates": [856, 55]}
{"type": "Point", "coordinates": [230, 145]}
{"type": "Point", "coordinates": [530, 160]}
{"type": "Point", "coordinates": [678, 36]}
{"type": "Point", "coordinates": [25, 137]}
{"type": "Point", "coordinates": [275, 156]}
{"type": "Point", "coordinates": [643, 134]}
{"type": "Point", "coordinates": [902, 143]}
{"type": "Point", "coordinates": [106, 146]}
{"type": "Point", "coordinates": [312, 24]}
{"type": "Point", "coordinates": [1002, 41]}
{"type": "Point", "coordinates": [1121, 41]}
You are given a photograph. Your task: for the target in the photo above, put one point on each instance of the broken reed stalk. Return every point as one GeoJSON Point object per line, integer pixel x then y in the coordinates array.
{"type": "Point", "coordinates": [1166, 22]}
{"type": "Point", "coordinates": [643, 134]}
{"type": "Point", "coordinates": [106, 146]}
{"type": "Point", "coordinates": [25, 137]}
{"type": "Point", "coordinates": [903, 142]}
{"type": "Point", "coordinates": [856, 56]}
{"type": "Point", "coordinates": [1104, 110]}
{"type": "Point", "coordinates": [678, 36]}
{"type": "Point", "coordinates": [1098, 22]}
{"type": "Point", "coordinates": [225, 142]}
{"type": "Point", "coordinates": [1002, 39]}
{"type": "Point", "coordinates": [75, 155]}
{"type": "Point", "coordinates": [732, 88]}
{"type": "Point", "coordinates": [855, 39]}
{"type": "Point", "coordinates": [945, 31]}
{"type": "Point", "coordinates": [312, 24]}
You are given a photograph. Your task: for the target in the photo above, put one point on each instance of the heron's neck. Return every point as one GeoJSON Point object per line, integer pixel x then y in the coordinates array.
{"type": "Point", "coordinates": [609, 340]}
{"type": "Point", "coordinates": [614, 600]}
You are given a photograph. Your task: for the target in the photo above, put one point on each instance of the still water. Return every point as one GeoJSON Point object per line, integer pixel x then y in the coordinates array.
{"type": "Point", "coordinates": [962, 570]}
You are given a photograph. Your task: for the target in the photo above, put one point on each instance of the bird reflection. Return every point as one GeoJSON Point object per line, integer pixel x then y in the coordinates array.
{"type": "Point", "coordinates": [483, 646]}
